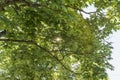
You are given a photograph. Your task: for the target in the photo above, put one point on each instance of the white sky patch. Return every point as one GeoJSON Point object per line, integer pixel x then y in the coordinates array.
{"type": "Point", "coordinates": [115, 38]}
{"type": "Point", "coordinates": [91, 8]}
{"type": "Point", "coordinates": [75, 65]}
{"type": "Point", "coordinates": [115, 75]}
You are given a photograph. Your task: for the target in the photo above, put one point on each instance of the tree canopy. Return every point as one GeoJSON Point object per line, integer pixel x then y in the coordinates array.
{"type": "Point", "coordinates": [52, 40]}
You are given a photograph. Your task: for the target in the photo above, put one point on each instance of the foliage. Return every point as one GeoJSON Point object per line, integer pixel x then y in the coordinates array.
{"type": "Point", "coordinates": [52, 40]}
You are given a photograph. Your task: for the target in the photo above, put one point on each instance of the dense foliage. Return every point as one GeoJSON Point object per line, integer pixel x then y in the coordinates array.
{"type": "Point", "coordinates": [52, 40]}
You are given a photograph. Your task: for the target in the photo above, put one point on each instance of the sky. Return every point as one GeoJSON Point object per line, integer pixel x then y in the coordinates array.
{"type": "Point", "coordinates": [115, 38]}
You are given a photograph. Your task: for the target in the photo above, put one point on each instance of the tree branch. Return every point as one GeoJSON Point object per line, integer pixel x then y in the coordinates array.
{"type": "Point", "coordinates": [42, 48]}
{"type": "Point", "coordinates": [87, 12]}
{"type": "Point", "coordinates": [12, 40]}
{"type": "Point", "coordinates": [79, 9]}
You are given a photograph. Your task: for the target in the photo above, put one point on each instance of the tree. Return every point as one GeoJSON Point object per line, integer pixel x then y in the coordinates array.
{"type": "Point", "coordinates": [51, 40]}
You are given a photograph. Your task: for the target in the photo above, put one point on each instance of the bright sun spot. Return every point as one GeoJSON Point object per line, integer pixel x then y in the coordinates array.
{"type": "Point", "coordinates": [58, 39]}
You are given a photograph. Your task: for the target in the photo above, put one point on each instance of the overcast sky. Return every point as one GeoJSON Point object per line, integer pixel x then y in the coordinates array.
{"type": "Point", "coordinates": [115, 38]}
